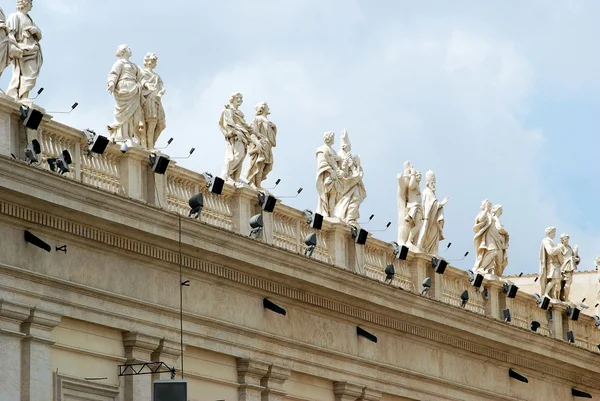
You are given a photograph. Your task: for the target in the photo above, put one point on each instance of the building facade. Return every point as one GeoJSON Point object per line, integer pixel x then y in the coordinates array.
{"type": "Point", "coordinates": [69, 319]}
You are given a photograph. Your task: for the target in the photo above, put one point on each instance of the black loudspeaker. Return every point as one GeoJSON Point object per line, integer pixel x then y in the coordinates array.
{"type": "Point", "coordinates": [217, 186]}
{"type": "Point", "coordinates": [517, 376]}
{"type": "Point", "coordinates": [273, 306]}
{"type": "Point", "coordinates": [510, 290]}
{"type": "Point", "coordinates": [170, 390]}
{"type": "Point", "coordinates": [535, 325]}
{"type": "Point", "coordinates": [196, 203]}
{"type": "Point", "coordinates": [507, 315]}
{"type": "Point", "coordinates": [545, 303]}
{"type": "Point", "coordinates": [364, 333]}
{"type": "Point", "coordinates": [99, 144]}
{"type": "Point", "coordinates": [360, 236]}
{"type": "Point", "coordinates": [572, 313]}
{"type": "Point", "coordinates": [579, 393]}
{"type": "Point", "coordinates": [31, 117]}
{"type": "Point", "coordinates": [570, 337]}
{"type": "Point", "coordinates": [477, 280]}
{"type": "Point", "coordinates": [32, 239]}
{"type": "Point", "coordinates": [403, 254]}
{"type": "Point", "coordinates": [317, 221]}
{"type": "Point", "coordinates": [159, 164]}
{"type": "Point", "coordinates": [439, 265]}
{"type": "Point", "coordinates": [267, 202]}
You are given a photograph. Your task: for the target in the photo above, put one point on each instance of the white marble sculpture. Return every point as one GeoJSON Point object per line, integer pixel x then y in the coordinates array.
{"type": "Point", "coordinates": [152, 92]}
{"type": "Point", "coordinates": [410, 214]}
{"type": "Point", "coordinates": [549, 276]}
{"type": "Point", "coordinates": [264, 132]}
{"type": "Point", "coordinates": [353, 192]}
{"type": "Point", "coordinates": [598, 284]}
{"type": "Point", "coordinates": [5, 44]}
{"type": "Point", "coordinates": [237, 136]}
{"type": "Point", "coordinates": [431, 232]}
{"type": "Point", "coordinates": [329, 183]}
{"type": "Point", "coordinates": [25, 51]}
{"type": "Point", "coordinates": [124, 83]}
{"type": "Point", "coordinates": [491, 242]}
{"type": "Point", "coordinates": [569, 259]}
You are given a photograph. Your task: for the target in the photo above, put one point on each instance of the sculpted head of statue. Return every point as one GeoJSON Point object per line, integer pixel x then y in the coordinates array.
{"type": "Point", "coordinates": [123, 51]}
{"type": "Point", "coordinates": [236, 99]}
{"type": "Point", "coordinates": [150, 60]}
{"type": "Point", "coordinates": [430, 180]}
{"type": "Point", "coordinates": [486, 205]}
{"type": "Point", "coordinates": [564, 239]}
{"type": "Point", "coordinates": [497, 210]}
{"type": "Point", "coordinates": [551, 232]}
{"type": "Point", "coordinates": [262, 109]}
{"type": "Point", "coordinates": [328, 138]}
{"type": "Point", "coordinates": [24, 5]}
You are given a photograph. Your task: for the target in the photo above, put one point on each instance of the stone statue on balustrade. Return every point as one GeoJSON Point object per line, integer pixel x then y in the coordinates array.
{"type": "Point", "coordinates": [329, 174]}
{"type": "Point", "coordinates": [264, 132]}
{"type": "Point", "coordinates": [410, 214]}
{"type": "Point", "coordinates": [5, 44]}
{"type": "Point", "coordinates": [352, 190]}
{"type": "Point", "coordinates": [124, 83]}
{"type": "Point", "coordinates": [569, 260]}
{"type": "Point", "coordinates": [550, 275]}
{"type": "Point", "coordinates": [152, 92]}
{"type": "Point", "coordinates": [491, 242]}
{"type": "Point", "coordinates": [237, 137]}
{"type": "Point", "coordinates": [598, 284]}
{"type": "Point", "coordinates": [431, 232]}
{"type": "Point", "coordinates": [24, 50]}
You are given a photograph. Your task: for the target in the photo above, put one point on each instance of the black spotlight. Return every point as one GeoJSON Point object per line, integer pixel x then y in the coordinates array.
{"type": "Point", "coordinates": [364, 333]}
{"type": "Point", "coordinates": [31, 117]}
{"type": "Point", "coordinates": [439, 265]}
{"type": "Point", "coordinates": [517, 376]}
{"type": "Point", "coordinates": [267, 202]}
{"type": "Point", "coordinates": [597, 321]}
{"type": "Point", "coordinates": [510, 290]}
{"type": "Point", "coordinates": [196, 204]}
{"type": "Point", "coordinates": [359, 235]}
{"type": "Point", "coordinates": [311, 243]}
{"type": "Point", "coordinates": [97, 144]}
{"type": "Point", "coordinates": [535, 325]}
{"type": "Point", "coordinates": [464, 297]}
{"type": "Point", "coordinates": [158, 163]}
{"type": "Point", "coordinates": [32, 239]}
{"type": "Point", "coordinates": [314, 220]}
{"type": "Point", "coordinates": [256, 224]}
{"type": "Point", "coordinates": [32, 151]}
{"type": "Point", "coordinates": [570, 337]}
{"type": "Point", "coordinates": [579, 393]}
{"type": "Point", "coordinates": [542, 302]}
{"type": "Point", "coordinates": [475, 279]}
{"type": "Point", "coordinates": [214, 184]}
{"type": "Point", "coordinates": [572, 312]}
{"type": "Point", "coordinates": [426, 285]}
{"type": "Point", "coordinates": [389, 271]}
{"type": "Point", "coordinates": [273, 307]}
{"type": "Point", "coordinates": [400, 251]}
{"type": "Point", "coordinates": [61, 164]}
{"type": "Point", "coordinates": [506, 313]}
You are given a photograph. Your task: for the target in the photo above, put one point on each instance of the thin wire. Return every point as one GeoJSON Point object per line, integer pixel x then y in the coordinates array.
{"type": "Point", "coordinates": [181, 296]}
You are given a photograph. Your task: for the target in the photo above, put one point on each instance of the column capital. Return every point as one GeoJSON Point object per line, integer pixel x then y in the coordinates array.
{"type": "Point", "coordinates": [273, 382]}
{"type": "Point", "coordinates": [169, 347]}
{"type": "Point", "coordinates": [251, 371]}
{"type": "Point", "coordinates": [40, 324]}
{"type": "Point", "coordinates": [139, 346]}
{"type": "Point", "coordinates": [12, 314]}
{"type": "Point", "coordinates": [369, 394]}
{"type": "Point", "coordinates": [346, 391]}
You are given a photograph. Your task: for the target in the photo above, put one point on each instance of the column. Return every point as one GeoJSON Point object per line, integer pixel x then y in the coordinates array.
{"type": "Point", "coordinates": [369, 394]}
{"type": "Point", "coordinates": [132, 179]}
{"type": "Point", "coordinates": [250, 374]}
{"type": "Point", "coordinates": [558, 324]}
{"type": "Point", "coordinates": [138, 349]}
{"type": "Point", "coordinates": [168, 352]}
{"type": "Point", "coordinates": [339, 241]}
{"type": "Point", "coordinates": [345, 391]}
{"type": "Point", "coordinates": [36, 366]}
{"type": "Point", "coordinates": [496, 301]}
{"type": "Point", "coordinates": [243, 207]}
{"type": "Point", "coordinates": [273, 383]}
{"type": "Point", "coordinates": [11, 316]}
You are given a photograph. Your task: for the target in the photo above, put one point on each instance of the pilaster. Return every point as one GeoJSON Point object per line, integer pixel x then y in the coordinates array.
{"type": "Point", "coordinates": [250, 374]}
{"type": "Point", "coordinates": [339, 243]}
{"type": "Point", "coordinates": [496, 302]}
{"type": "Point", "coordinates": [36, 372]}
{"type": "Point", "coordinates": [168, 352]}
{"type": "Point", "coordinates": [369, 394]}
{"type": "Point", "coordinates": [138, 349]}
{"type": "Point", "coordinates": [558, 323]}
{"type": "Point", "coordinates": [345, 391]}
{"type": "Point", "coordinates": [273, 383]}
{"type": "Point", "coordinates": [242, 209]}
{"type": "Point", "coordinates": [132, 179]}
{"type": "Point", "coordinates": [11, 317]}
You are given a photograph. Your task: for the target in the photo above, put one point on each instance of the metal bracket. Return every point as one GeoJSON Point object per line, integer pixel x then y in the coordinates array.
{"type": "Point", "coordinates": [149, 368]}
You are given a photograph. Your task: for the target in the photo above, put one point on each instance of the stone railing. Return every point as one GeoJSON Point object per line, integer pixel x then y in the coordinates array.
{"type": "Point", "coordinates": [130, 175]}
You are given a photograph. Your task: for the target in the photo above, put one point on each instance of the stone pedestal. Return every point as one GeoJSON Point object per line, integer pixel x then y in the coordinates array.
{"type": "Point", "coordinates": [496, 300]}
{"type": "Point", "coordinates": [424, 269]}
{"type": "Point", "coordinates": [138, 349]}
{"type": "Point", "coordinates": [339, 243]}
{"type": "Point", "coordinates": [267, 234]}
{"type": "Point", "coordinates": [36, 367]}
{"type": "Point", "coordinates": [169, 353]}
{"type": "Point", "coordinates": [345, 391]}
{"type": "Point", "coordinates": [133, 168]}
{"type": "Point", "coordinates": [558, 324]}
{"type": "Point", "coordinates": [273, 383]}
{"type": "Point", "coordinates": [250, 374]}
{"type": "Point", "coordinates": [243, 207]}
{"type": "Point", "coordinates": [11, 317]}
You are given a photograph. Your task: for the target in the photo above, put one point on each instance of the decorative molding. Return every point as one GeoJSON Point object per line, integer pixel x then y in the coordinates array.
{"type": "Point", "coordinates": [140, 248]}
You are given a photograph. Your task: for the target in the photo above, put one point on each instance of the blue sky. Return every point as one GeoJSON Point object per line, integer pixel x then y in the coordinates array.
{"type": "Point", "coordinates": [500, 99]}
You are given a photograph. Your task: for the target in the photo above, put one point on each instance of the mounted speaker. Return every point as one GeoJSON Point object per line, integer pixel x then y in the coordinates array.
{"type": "Point", "coordinates": [439, 265]}
{"type": "Point", "coordinates": [31, 117]}
{"type": "Point", "coordinates": [169, 390]}
{"type": "Point", "coordinates": [32, 239]}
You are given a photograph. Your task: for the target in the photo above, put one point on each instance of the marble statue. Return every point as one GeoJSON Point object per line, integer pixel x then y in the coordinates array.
{"type": "Point", "coordinates": [550, 275]}
{"type": "Point", "coordinates": [124, 83]}
{"type": "Point", "coordinates": [431, 232]}
{"type": "Point", "coordinates": [263, 132]}
{"type": "Point", "coordinates": [5, 44]}
{"type": "Point", "coordinates": [237, 136]}
{"type": "Point", "coordinates": [152, 92]}
{"type": "Point", "coordinates": [410, 214]}
{"type": "Point", "coordinates": [329, 183]}
{"type": "Point", "coordinates": [569, 259]}
{"type": "Point", "coordinates": [598, 283]}
{"type": "Point", "coordinates": [353, 192]}
{"type": "Point", "coordinates": [25, 51]}
{"type": "Point", "coordinates": [490, 241]}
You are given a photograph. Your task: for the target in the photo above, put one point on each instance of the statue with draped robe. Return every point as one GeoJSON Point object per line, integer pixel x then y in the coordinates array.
{"type": "Point", "coordinates": [549, 276]}
{"type": "Point", "coordinates": [152, 92]}
{"type": "Point", "coordinates": [25, 51]}
{"type": "Point", "coordinates": [410, 214]}
{"type": "Point", "coordinates": [353, 192]}
{"type": "Point", "coordinates": [264, 132]}
{"type": "Point", "coordinates": [490, 241]}
{"type": "Point", "coordinates": [329, 183]}
{"type": "Point", "coordinates": [5, 44]}
{"type": "Point", "coordinates": [433, 217]}
{"type": "Point", "coordinates": [124, 84]}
